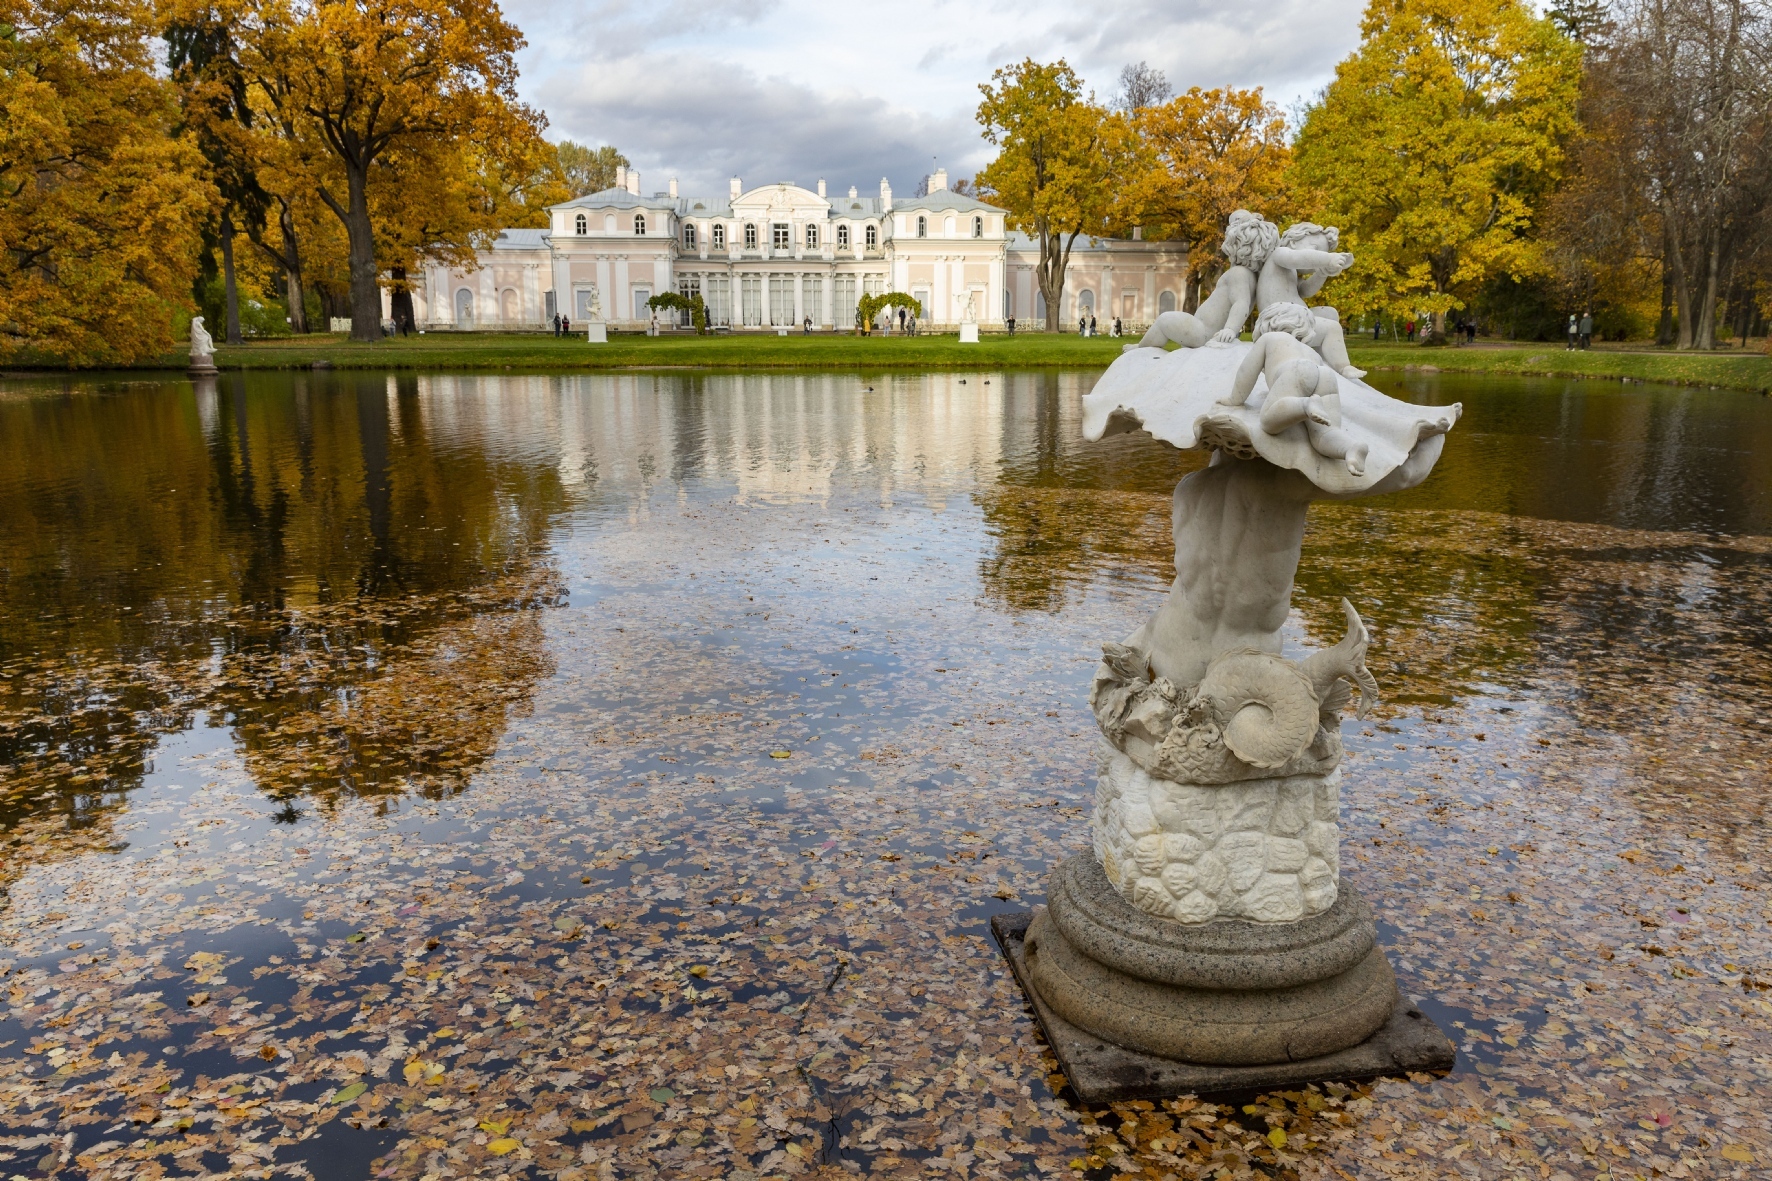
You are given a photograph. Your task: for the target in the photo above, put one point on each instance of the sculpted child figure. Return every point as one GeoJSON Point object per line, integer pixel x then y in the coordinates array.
{"type": "Point", "coordinates": [1300, 388]}
{"type": "Point", "coordinates": [1248, 240]}
{"type": "Point", "coordinates": [1295, 270]}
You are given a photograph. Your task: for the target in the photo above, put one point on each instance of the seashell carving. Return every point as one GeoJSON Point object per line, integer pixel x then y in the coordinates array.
{"type": "Point", "coordinates": [1333, 669]}
{"type": "Point", "coordinates": [1268, 705]}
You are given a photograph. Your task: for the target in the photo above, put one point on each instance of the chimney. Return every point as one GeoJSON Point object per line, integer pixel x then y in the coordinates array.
{"type": "Point", "coordinates": [885, 196]}
{"type": "Point", "coordinates": [634, 181]}
{"type": "Point", "coordinates": [852, 192]}
{"type": "Point", "coordinates": [621, 176]}
{"type": "Point", "coordinates": [673, 188]}
{"type": "Point", "coordinates": [938, 180]}
{"type": "Point", "coordinates": [737, 188]}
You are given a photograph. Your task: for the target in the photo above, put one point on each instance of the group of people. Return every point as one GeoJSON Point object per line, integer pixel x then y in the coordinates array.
{"type": "Point", "coordinates": [1581, 331]}
{"type": "Point", "coordinates": [1085, 325]}
{"type": "Point", "coordinates": [562, 325]}
{"type": "Point", "coordinates": [1464, 327]}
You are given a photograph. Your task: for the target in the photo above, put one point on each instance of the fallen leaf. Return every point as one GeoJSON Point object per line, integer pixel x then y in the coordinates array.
{"type": "Point", "coordinates": [1738, 1152]}
{"type": "Point", "coordinates": [781, 754]}
{"type": "Point", "coordinates": [502, 1145]}
{"type": "Point", "coordinates": [346, 1094]}
{"type": "Point", "coordinates": [1277, 1137]}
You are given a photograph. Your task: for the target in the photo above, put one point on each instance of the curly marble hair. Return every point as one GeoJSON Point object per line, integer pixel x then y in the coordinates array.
{"type": "Point", "coordinates": [1299, 231]}
{"type": "Point", "coordinates": [1248, 239]}
{"type": "Point", "coordinates": [1294, 319]}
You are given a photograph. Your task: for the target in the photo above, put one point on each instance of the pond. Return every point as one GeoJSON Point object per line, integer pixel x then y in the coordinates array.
{"type": "Point", "coordinates": [582, 776]}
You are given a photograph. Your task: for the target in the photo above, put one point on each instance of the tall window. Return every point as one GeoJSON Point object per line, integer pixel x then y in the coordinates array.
{"type": "Point", "coordinates": [842, 237]}
{"type": "Point", "coordinates": [750, 235]}
{"type": "Point", "coordinates": [922, 226]}
{"type": "Point", "coordinates": [580, 224]}
{"type": "Point", "coordinates": [639, 223]}
{"type": "Point", "coordinates": [689, 235]}
{"type": "Point", "coordinates": [873, 237]}
{"type": "Point", "coordinates": [978, 227]}
{"type": "Point", "coordinates": [781, 235]}
{"type": "Point", "coordinates": [719, 237]}
{"type": "Point", "coordinates": [812, 237]}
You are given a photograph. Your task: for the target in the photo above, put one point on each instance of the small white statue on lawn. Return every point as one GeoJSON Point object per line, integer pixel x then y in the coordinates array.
{"type": "Point", "coordinates": [202, 344]}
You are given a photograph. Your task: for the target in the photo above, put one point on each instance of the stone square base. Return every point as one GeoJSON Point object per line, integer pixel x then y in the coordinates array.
{"type": "Point", "coordinates": [1101, 1072]}
{"type": "Point", "coordinates": [597, 333]}
{"type": "Point", "coordinates": [969, 334]}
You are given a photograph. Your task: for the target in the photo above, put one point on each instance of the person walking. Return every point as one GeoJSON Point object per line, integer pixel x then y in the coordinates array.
{"type": "Point", "coordinates": [556, 324]}
{"type": "Point", "coordinates": [1116, 328]}
{"type": "Point", "coordinates": [1091, 323]}
{"type": "Point", "coordinates": [1409, 331]}
{"type": "Point", "coordinates": [1587, 329]}
{"type": "Point", "coordinates": [902, 313]}
{"type": "Point", "coordinates": [1574, 331]}
{"type": "Point", "coordinates": [1011, 322]}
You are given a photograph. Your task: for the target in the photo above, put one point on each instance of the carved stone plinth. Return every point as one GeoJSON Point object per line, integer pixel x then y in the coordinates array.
{"type": "Point", "coordinates": [1100, 1072]}
{"type": "Point", "coordinates": [969, 334]}
{"type": "Point", "coordinates": [597, 332]}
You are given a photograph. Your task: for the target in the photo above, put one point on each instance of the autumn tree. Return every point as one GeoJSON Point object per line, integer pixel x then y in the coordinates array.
{"type": "Point", "coordinates": [1063, 165]}
{"type": "Point", "coordinates": [1435, 146]}
{"type": "Point", "coordinates": [102, 204]}
{"type": "Point", "coordinates": [394, 90]}
{"type": "Point", "coordinates": [1210, 153]}
{"type": "Point", "coordinates": [587, 170]}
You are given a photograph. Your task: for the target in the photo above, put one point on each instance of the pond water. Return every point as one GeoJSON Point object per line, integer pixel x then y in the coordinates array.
{"type": "Point", "coordinates": [429, 775]}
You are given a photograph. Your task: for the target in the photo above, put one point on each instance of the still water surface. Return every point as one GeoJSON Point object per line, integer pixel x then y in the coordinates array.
{"type": "Point", "coordinates": [449, 600]}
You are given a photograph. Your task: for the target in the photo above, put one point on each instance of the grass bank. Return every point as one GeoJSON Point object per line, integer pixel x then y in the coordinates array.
{"type": "Point", "coordinates": [461, 351]}
{"type": "Point", "coordinates": [1727, 369]}
{"type": "Point", "coordinates": [748, 351]}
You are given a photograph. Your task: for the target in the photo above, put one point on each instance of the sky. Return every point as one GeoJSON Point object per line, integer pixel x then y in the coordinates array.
{"type": "Point", "coordinates": [793, 90]}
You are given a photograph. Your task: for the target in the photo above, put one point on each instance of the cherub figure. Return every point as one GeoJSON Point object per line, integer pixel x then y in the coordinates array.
{"type": "Point", "coordinates": [1300, 388]}
{"type": "Point", "coordinates": [1248, 240]}
{"type": "Point", "coordinates": [1294, 271]}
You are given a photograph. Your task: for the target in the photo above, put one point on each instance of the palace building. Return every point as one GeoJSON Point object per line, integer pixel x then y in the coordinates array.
{"type": "Point", "coordinates": [779, 255]}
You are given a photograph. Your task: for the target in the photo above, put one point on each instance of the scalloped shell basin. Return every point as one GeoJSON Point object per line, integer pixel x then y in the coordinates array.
{"type": "Point", "coordinates": [1174, 395]}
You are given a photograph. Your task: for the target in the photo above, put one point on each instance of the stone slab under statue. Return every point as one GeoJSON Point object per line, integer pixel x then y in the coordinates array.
{"type": "Point", "coordinates": [596, 332]}
{"type": "Point", "coordinates": [1208, 939]}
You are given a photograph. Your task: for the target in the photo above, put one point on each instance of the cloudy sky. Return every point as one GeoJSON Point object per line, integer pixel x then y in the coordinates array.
{"type": "Point", "coordinates": [794, 90]}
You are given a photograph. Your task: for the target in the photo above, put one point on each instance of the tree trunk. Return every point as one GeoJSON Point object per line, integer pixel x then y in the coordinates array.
{"type": "Point", "coordinates": [231, 292]}
{"type": "Point", "coordinates": [1664, 331]}
{"type": "Point", "coordinates": [295, 291]}
{"type": "Point", "coordinates": [1051, 280]}
{"type": "Point", "coordinates": [1705, 331]}
{"type": "Point", "coordinates": [365, 291]}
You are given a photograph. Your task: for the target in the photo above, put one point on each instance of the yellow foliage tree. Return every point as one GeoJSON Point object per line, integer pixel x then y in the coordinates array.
{"type": "Point", "coordinates": [1434, 148]}
{"type": "Point", "coordinates": [101, 204]}
{"type": "Point", "coordinates": [411, 100]}
{"type": "Point", "coordinates": [1210, 153]}
{"type": "Point", "coordinates": [1063, 168]}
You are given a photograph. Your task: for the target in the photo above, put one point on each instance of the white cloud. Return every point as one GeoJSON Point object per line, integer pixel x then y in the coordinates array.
{"type": "Point", "coordinates": [793, 90]}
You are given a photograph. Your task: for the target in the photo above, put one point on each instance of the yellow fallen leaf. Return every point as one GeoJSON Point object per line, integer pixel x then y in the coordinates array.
{"type": "Point", "coordinates": [700, 970]}
{"type": "Point", "coordinates": [1277, 1137]}
{"type": "Point", "coordinates": [1738, 1152]}
{"type": "Point", "coordinates": [781, 754]}
{"type": "Point", "coordinates": [502, 1145]}
{"type": "Point", "coordinates": [494, 1127]}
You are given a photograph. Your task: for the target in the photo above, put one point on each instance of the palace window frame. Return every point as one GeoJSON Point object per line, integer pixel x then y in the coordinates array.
{"type": "Point", "coordinates": [811, 236]}
{"type": "Point", "coordinates": [581, 225]}
{"type": "Point", "coordinates": [750, 235]}
{"type": "Point", "coordinates": [719, 237]}
{"type": "Point", "coordinates": [873, 236]}
{"type": "Point", "coordinates": [689, 235]}
{"type": "Point", "coordinates": [922, 226]}
{"type": "Point", "coordinates": [781, 235]}
{"type": "Point", "coordinates": [842, 237]}
{"type": "Point", "coordinates": [978, 227]}
{"type": "Point", "coordinates": [640, 224]}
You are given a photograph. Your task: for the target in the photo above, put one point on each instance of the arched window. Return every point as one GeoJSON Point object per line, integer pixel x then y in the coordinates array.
{"type": "Point", "coordinates": [873, 236]}
{"type": "Point", "coordinates": [812, 237]}
{"type": "Point", "coordinates": [719, 237]}
{"type": "Point", "coordinates": [639, 223]}
{"type": "Point", "coordinates": [581, 224]}
{"type": "Point", "coordinates": [1166, 301]}
{"type": "Point", "coordinates": [689, 235]}
{"type": "Point", "coordinates": [922, 226]}
{"type": "Point", "coordinates": [750, 235]}
{"type": "Point", "coordinates": [842, 237]}
{"type": "Point", "coordinates": [978, 227]}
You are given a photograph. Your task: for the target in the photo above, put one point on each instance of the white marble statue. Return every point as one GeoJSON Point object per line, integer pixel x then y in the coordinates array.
{"type": "Point", "coordinates": [1248, 241]}
{"type": "Point", "coordinates": [596, 308]}
{"type": "Point", "coordinates": [202, 344]}
{"type": "Point", "coordinates": [969, 314]}
{"type": "Point", "coordinates": [1294, 271]}
{"type": "Point", "coordinates": [1218, 795]}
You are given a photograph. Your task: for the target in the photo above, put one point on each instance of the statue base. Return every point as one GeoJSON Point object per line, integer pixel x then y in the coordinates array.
{"type": "Point", "coordinates": [597, 332]}
{"type": "Point", "coordinates": [202, 367]}
{"type": "Point", "coordinates": [969, 334]}
{"type": "Point", "coordinates": [1139, 1007]}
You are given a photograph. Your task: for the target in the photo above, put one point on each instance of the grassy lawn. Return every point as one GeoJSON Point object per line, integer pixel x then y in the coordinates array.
{"type": "Point", "coordinates": [1732, 369]}
{"type": "Point", "coordinates": [1728, 369]}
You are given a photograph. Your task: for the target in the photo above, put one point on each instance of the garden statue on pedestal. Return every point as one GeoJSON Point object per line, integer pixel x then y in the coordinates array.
{"type": "Point", "coordinates": [1208, 943]}
{"type": "Point", "coordinates": [202, 349]}
{"type": "Point", "coordinates": [969, 322]}
{"type": "Point", "coordinates": [596, 331]}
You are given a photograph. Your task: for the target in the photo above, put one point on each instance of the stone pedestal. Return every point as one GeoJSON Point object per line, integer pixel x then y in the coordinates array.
{"type": "Point", "coordinates": [202, 366]}
{"type": "Point", "coordinates": [596, 332]}
{"type": "Point", "coordinates": [969, 334]}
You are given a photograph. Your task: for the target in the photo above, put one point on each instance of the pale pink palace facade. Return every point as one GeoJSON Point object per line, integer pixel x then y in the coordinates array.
{"type": "Point", "coordinates": [779, 255]}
